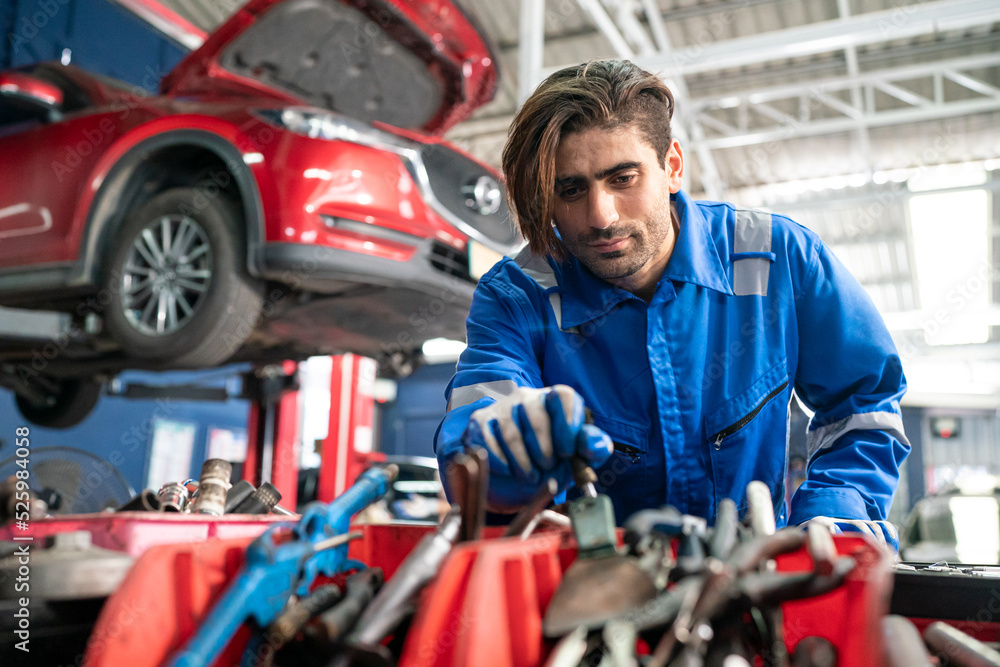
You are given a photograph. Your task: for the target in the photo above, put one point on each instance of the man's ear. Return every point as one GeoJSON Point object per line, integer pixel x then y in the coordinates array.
{"type": "Point", "coordinates": [674, 164]}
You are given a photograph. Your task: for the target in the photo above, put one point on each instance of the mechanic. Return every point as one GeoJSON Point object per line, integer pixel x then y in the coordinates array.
{"type": "Point", "coordinates": [682, 326]}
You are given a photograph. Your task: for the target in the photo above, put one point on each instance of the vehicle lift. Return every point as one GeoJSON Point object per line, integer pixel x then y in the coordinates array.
{"type": "Point", "coordinates": [272, 427]}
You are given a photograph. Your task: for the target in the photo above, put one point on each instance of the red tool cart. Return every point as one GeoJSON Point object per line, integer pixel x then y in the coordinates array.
{"type": "Point", "coordinates": [484, 608]}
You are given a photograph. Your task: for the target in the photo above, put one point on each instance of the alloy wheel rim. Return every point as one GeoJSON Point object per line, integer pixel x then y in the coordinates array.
{"type": "Point", "coordinates": [166, 275]}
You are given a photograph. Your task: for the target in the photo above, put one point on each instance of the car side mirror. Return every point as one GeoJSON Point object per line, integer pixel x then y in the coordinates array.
{"type": "Point", "coordinates": [27, 90]}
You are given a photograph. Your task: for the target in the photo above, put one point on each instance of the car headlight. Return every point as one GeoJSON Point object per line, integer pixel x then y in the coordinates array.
{"type": "Point", "coordinates": [320, 124]}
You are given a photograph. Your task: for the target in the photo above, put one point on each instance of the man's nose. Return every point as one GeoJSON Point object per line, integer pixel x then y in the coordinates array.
{"type": "Point", "coordinates": [603, 208]}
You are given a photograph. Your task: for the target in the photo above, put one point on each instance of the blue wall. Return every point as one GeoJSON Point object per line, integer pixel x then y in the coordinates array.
{"type": "Point", "coordinates": [409, 422]}
{"type": "Point", "coordinates": [101, 37]}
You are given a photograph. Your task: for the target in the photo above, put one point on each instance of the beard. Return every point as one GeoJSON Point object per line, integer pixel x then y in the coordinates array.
{"type": "Point", "coordinates": [646, 236]}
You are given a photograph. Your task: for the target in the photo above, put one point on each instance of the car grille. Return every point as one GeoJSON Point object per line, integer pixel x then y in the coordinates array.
{"type": "Point", "coordinates": [448, 260]}
{"type": "Point", "coordinates": [451, 178]}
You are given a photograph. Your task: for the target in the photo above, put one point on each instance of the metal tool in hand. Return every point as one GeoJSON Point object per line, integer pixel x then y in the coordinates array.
{"type": "Point", "coordinates": [284, 560]}
{"type": "Point", "coordinates": [602, 583]}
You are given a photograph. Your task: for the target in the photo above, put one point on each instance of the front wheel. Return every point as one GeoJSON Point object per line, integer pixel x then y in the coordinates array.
{"type": "Point", "coordinates": [178, 281]}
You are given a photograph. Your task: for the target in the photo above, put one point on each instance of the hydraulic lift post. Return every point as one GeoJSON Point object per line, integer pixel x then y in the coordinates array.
{"type": "Point", "coordinates": [272, 429]}
{"type": "Point", "coordinates": [347, 448]}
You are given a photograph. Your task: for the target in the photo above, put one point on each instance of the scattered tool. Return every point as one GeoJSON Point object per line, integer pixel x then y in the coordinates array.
{"type": "Point", "coordinates": [725, 535]}
{"type": "Point", "coordinates": [570, 649]}
{"type": "Point", "coordinates": [602, 583]}
{"type": "Point", "coordinates": [525, 521]}
{"type": "Point", "coordinates": [961, 649]}
{"type": "Point", "coordinates": [263, 499]}
{"type": "Point", "coordinates": [818, 652]}
{"type": "Point", "coordinates": [760, 510]}
{"type": "Point", "coordinates": [731, 660]}
{"type": "Point", "coordinates": [294, 618]}
{"type": "Point", "coordinates": [398, 597]}
{"type": "Point", "coordinates": [680, 624]}
{"type": "Point", "coordinates": [669, 522]}
{"type": "Point", "coordinates": [145, 501]}
{"type": "Point", "coordinates": [619, 639]}
{"type": "Point", "coordinates": [904, 647]}
{"type": "Point", "coordinates": [284, 560]}
{"type": "Point", "coordinates": [239, 492]}
{"type": "Point", "coordinates": [173, 497]}
{"type": "Point", "coordinates": [359, 588]}
{"type": "Point", "coordinates": [212, 487]}
{"type": "Point", "coordinates": [821, 547]}
{"type": "Point", "coordinates": [468, 477]}
{"type": "Point", "coordinates": [327, 645]}
{"type": "Point", "coordinates": [546, 516]}
{"type": "Point", "coordinates": [702, 619]}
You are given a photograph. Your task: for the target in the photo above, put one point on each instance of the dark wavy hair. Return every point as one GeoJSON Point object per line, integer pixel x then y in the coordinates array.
{"type": "Point", "coordinates": [605, 94]}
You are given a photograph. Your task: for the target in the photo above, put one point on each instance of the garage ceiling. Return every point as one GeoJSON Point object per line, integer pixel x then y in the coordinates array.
{"type": "Point", "coordinates": [844, 86]}
{"type": "Point", "coordinates": [827, 110]}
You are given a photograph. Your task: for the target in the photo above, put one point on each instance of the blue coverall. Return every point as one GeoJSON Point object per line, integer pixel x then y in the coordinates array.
{"type": "Point", "coordinates": [694, 386]}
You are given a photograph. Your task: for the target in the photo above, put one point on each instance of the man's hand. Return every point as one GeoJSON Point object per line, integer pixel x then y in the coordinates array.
{"type": "Point", "coordinates": [530, 436]}
{"type": "Point", "coordinates": [882, 531]}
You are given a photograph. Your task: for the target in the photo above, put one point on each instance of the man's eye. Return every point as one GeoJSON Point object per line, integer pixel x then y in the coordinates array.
{"type": "Point", "coordinates": [623, 179]}
{"type": "Point", "coordinates": [569, 193]}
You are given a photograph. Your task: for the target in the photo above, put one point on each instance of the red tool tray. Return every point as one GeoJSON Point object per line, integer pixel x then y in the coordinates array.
{"type": "Point", "coordinates": [172, 587]}
{"type": "Point", "coordinates": [485, 607]}
{"type": "Point", "coordinates": [135, 532]}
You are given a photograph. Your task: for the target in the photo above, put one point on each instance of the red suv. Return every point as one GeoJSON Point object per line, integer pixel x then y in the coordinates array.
{"type": "Point", "coordinates": [286, 194]}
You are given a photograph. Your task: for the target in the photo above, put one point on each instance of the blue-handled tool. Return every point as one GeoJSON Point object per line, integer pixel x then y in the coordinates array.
{"type": "Point", "coordinates": [282, 562]}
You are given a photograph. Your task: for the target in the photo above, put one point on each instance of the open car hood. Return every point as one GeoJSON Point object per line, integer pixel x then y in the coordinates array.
{"type": "Point", "coordinates": [413, 64]}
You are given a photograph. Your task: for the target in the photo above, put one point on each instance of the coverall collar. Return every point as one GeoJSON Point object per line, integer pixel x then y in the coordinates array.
{"type": "Point", "coordinates": [695, 259]}
{"type": "Point", "coordinates": [696, 256]}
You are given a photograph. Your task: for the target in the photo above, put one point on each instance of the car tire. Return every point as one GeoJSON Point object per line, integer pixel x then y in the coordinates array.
{"type": "Point", "coordinates": [178, 282]}
{"type": "Point", "coordinates": [67, 406]}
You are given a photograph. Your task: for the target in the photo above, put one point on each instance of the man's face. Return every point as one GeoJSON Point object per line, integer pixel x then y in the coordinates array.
{"type": "Point", "coordinates": [613, 203]}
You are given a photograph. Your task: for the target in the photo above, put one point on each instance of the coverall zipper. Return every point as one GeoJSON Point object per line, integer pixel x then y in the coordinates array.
{"type": "Point", "coordinates": [628, 450]}
{"type": "Point", "coordinates": [745, 419]}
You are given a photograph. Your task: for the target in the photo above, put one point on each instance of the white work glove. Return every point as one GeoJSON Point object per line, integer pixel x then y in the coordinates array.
{"type": "Point", "coordinates": [883, 532]}
{"type": "Point", "coordinates": [530, 436]}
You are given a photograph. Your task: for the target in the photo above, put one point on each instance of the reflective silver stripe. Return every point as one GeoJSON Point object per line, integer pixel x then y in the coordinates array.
{"type": "Point", "coordinates": [539, 270]}
{"type": "Point", "coordinates": [536, 268]}
{"type": "Point", "coordinates": [496, 389]}
{"type": "Point", "coordinates": [556, 302]}
{"type": "Point", "coordinates": [752, 234]}
{"type": "Point", "coordinates": [825, 436]}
